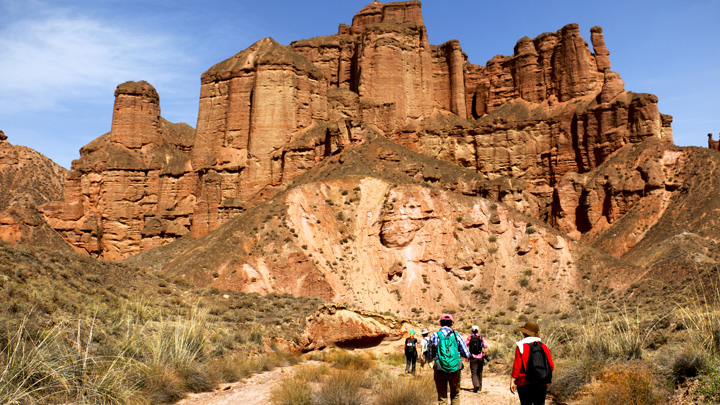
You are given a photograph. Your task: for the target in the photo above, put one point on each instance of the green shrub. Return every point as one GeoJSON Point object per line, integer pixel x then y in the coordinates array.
{"type": "Point", "coordinates": [709, 387]}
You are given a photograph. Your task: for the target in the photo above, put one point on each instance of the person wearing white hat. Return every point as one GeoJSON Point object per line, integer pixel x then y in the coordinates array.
{"type": "Point", "coordinates": [425, 355]}
{"type": "Point", "coordinates": [477, 346]}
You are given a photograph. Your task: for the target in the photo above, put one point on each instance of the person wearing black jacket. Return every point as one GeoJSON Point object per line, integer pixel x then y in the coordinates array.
{"type": "Point", "coordinates": [411, 352]}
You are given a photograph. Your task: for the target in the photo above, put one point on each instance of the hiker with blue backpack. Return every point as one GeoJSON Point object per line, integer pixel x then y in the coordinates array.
{"type": "Point", "coordinates": [477, 346]}
{"type": "Point", "coordinates": [532, 368]}
{"type": "Point", "coordinates": [447, 348]}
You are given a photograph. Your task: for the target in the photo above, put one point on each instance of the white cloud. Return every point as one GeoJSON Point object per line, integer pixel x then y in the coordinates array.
{"type": "Point", "coordinates": [56, 55]}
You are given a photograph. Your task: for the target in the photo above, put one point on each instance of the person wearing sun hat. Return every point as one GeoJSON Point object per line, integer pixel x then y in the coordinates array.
{"type": "Point", "coordinates": [425, 357]}
{"type": "Point", "coordinates": [530, 389]}
{"type": "Point", "coordinates": [448, 347]}
{"type": "Point", "coordinates": [410, 352]}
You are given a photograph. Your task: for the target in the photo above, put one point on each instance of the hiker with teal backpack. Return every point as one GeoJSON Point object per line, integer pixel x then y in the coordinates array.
{"type": "Point", "coordinates": [447, 349]}
{"type": "Point", "coordinates": [532, 368]}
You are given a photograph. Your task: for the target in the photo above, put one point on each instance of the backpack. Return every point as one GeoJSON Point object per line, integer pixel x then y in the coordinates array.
{"type": "Point", "coordinates": [410, 349]}
{"type": "Point", "coordinates": [476, 345]}
{"type": "Point", "coordinates": [428, 353]}
{"type": "Point", "coordinates": [538, 369]}
{"type": "Point", "coordinates": [448, 353]}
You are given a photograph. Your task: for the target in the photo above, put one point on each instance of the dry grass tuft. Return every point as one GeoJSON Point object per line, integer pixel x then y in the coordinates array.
{"type": "Point", "coordinates": [394, 390]}
{"type": "Point", "coordinates": [631, 383]}
{"type": "Point", "coordinates": [345, 359]}
{"type": "Point", "coordinates": [294, 390]}
{"type": "Point", "coordinates": [343, 387]}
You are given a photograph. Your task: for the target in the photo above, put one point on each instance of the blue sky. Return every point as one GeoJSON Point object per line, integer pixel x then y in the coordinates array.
{"type": "Point", "coordinates": [60, 61]}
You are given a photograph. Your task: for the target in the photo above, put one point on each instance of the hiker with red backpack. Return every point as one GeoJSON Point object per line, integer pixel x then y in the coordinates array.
{"type": "Point", "coordinates": [477, 346]}
{"type": "Point", "coordinates": [447, 348]}
{"type": "Point", "coordinates": [533, 367]}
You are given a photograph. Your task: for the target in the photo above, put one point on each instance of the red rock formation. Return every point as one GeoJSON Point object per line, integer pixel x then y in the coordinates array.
{"type": "Point", "coordinates": [337, 325]}
{"type": "Point", "coordinates": [251, 106]}
{"type": "Point", "coordinates": [713, 144]}
{"type": "Point", "coordinates": [602, 55]}
{"type": "Point", "coordinates": [133, 188]}
{"type": "Point", "coordinates": [136, 117]}
{"type": "Point", "coordinates": [272, 112]}
{"type": "Point", "coordinates": [27, 180]}
{"type": "Point", "coordinates": [386, 59]}
{"type": "Point", "coordinates": [551, 108]}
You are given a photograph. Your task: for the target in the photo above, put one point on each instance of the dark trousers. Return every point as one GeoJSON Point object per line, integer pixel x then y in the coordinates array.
{"type": "Point", "coordinates": [532, 394]}
{"type": "Point", "coordinates": [476, 369]}
{"type": "Point", "coordinates": [442, 380]}
{"type": "Point", "coordinates": [410, 359]}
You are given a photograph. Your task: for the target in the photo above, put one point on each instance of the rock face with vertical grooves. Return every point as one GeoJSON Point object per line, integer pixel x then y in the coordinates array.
{"type": "Point", "coordinates": [133, 188]}
{"type": "Point", "coordinates": [271, 113]}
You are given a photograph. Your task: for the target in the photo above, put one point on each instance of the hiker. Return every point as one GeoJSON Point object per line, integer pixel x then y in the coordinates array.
{"type": "Point", "coordinates": [477, 346]}
{"type": "Point", "coordinates": [448, 347]}
{"type": "Point", "coordinates": [410, 352]}
{"type": "Point", "coordinates": [532, 368]}
{"type": "Point", "coordinates": [425, 353]}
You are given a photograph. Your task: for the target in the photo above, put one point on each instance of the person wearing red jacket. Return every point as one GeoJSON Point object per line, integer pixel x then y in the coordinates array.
{"type": "Point", "coordinates": [529, 393]}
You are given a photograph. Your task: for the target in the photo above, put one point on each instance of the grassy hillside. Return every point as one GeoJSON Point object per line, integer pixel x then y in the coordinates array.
{"type": "Point", "coordinates": [75, 329]}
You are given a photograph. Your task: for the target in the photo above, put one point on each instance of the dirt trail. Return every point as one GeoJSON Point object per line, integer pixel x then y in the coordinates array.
{"type": "Point", "coordinates": [256, 390]}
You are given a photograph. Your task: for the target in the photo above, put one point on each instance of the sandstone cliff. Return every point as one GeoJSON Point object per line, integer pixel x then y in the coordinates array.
{"type": "Point", "coordinates": [133, 188]}
{"type": "Point", "coordinates": [386, 229]}
{"type": "Point", "coordinates": [272, 112]}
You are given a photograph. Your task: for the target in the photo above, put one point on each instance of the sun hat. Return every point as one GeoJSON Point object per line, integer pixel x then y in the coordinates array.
{"type": "Point", "coordinates": [475, 327]}
{"type": "Point", "coordinates": [424, 331]}
{"type": "Point", "coordinates": [530, 328]}
{"type": "Point", "coordinates": [447, 317]}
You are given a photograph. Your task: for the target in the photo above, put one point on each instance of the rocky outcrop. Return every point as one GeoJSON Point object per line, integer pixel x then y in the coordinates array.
{"type": "Point", "coordinates": [133, 188]}
{"type": "Point", "coordinates": [385, 229]}
{"type": "Point", "coordinates": [640, 181]}
{"type": "Point", "coordinates": [28, 179]}
{"type": "Point", "coordinates": [271, 113]}
{"type": "Point", "coordinates": [337, 325]}
{"type": "Point", "coordinates": [251, 107]}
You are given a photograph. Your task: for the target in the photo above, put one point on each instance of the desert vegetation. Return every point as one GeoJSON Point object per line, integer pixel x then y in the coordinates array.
{"type": "Point", "coordinates": [74, 329]}
{"type": "Point", "coordinates": [347, 378]}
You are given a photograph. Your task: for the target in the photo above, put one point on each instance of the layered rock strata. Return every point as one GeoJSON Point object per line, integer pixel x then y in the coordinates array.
{"type": "Point", "coordinates": [388, 238]}
{"type": "Point", "coordinates": [553, 107]}
{"type": "Point", "coordinates": [272, 112]}
{"type": "Point", "coordinates": [251, 106]}
{"type": "Point", "coordinates": [133, 188]}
